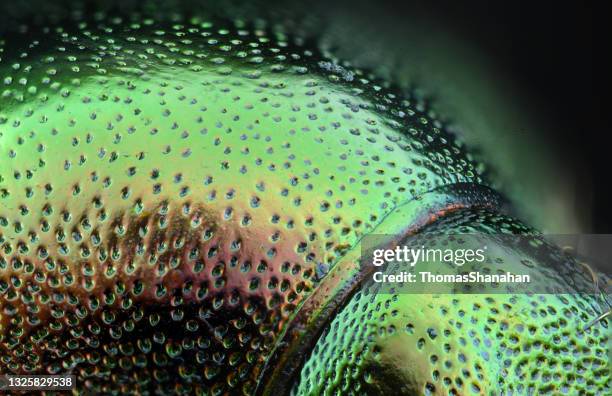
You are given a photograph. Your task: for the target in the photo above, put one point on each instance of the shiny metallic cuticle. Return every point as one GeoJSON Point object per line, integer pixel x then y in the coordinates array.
{"type": "Point", "coordinates": [181, 206]}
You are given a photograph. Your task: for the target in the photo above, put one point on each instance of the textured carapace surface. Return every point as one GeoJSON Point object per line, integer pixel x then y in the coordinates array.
{"type": "Point", "coordinates": [171, 193]}
{"type": "Point", "coordinates": [388, 341]}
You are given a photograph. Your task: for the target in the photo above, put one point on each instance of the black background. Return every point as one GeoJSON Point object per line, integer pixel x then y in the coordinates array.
{"type": "Point", "coordinates": [556, 52]}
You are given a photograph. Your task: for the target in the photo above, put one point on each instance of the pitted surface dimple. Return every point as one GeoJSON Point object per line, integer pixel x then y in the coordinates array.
{"type": "Point", "coordinates": [170, 193]}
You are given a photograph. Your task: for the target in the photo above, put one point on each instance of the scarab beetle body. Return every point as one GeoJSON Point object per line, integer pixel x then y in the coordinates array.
{"type": "Point", "coordinates": [181, 207]}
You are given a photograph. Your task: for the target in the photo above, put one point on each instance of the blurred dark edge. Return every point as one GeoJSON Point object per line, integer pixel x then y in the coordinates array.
{"type": "Point", "coordinates": [553, 52]}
